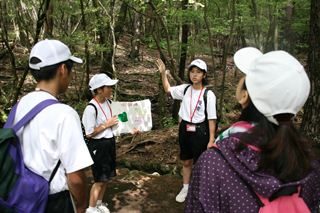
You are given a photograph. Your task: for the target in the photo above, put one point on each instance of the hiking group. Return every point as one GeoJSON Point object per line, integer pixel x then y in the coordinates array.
{"type": "Point", "coordinates": [261, 163]}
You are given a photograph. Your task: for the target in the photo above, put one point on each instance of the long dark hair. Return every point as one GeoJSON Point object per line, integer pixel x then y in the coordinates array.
{"type": "Point", "coordinates": [285, 152]}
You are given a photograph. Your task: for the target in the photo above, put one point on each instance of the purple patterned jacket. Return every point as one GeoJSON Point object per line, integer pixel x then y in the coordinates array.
{"type": "Point", "coordinates": [221, 179]}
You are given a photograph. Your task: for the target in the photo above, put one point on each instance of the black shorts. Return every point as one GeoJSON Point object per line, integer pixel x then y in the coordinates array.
{"type": "Point", "coordinates": [192, 144]}
{"type": "Point", "coordinates": [59, 203]}
{"type": "Point", "coordinates": [103, 153]}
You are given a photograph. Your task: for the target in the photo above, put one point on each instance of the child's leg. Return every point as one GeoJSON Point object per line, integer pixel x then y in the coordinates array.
{"type": "Point", "coordinates": [95, 192]}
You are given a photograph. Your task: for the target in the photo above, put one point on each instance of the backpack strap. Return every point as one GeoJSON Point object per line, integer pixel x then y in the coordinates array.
{"type": "Point", "coordinates": [204, 99]}
{"type": "Point", "coordinates": [33, 112]}
{"type": "Point", "coordinates": [54, 171]}
{"type": "Point", "coordinates": [95, 108]}
{"type": "Point", "coordinates": [185, 89]}
{"type": "Point", "coordinates": [205, 103]}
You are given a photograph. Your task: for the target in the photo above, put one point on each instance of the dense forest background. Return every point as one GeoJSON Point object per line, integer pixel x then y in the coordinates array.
{"type": "Point", "coordinates": [177, 31]}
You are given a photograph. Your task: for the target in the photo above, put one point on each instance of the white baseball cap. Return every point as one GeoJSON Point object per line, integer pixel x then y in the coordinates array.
{"type": "Point", "coordinates": [199, 63]}
{"type": "Point", "coordinates": [276, 82]}
{"type": "Point", "coordinates": [99, 80]}
{"type": "Point", "coordinates": [50, 52]}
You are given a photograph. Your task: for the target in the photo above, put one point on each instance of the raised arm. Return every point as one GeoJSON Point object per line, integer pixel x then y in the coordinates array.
{"type": "Point", "coordinates": [162, 69]}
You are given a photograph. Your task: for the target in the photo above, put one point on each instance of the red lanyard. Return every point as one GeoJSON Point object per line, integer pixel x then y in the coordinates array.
{"type": "Point", "coordinates": [191, 115]}
{"type": "Point", "coordinates": [102, 109]}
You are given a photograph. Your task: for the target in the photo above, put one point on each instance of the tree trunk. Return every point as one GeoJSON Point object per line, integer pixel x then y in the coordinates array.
{"type": "Point", "coordinates": [288, 32]}
{"type": "Point", "coordinates": [135, 40]}
{"type": "Point", "coordinates": [48, 27]}
{"type": "Point", "coordinates": [170, 61]}
{"type": "Point", "coordinates": [225, 56]}
{"type": "Point", "coordinates": [4, 35]}
{"type": "Point", "coordinates": [41, 18]}
{"type": "Point", "coordinates": [184, 43]}
{"type": "Point", "coordinates": [85, 78]}
{"type": "Point", "coordinates": [210, 41]}
{"type": "Point", "coordinates": [311, 118]}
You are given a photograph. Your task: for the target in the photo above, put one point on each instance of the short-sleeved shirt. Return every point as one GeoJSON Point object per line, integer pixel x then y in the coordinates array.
{"type": "Point", "coordinates": [92, 118]}
{"type": "Point", "coordinates": [55, 133]}
{"type": "Point", "coordinates": [192, 96]}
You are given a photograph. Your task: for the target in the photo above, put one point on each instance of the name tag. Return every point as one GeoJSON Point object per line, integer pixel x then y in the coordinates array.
{"type": "Point", "coordinates": [191, 128]}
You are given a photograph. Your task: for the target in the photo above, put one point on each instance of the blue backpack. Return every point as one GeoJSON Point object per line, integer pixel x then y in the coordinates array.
{"type": "Point", "coordinates": [21, 190]}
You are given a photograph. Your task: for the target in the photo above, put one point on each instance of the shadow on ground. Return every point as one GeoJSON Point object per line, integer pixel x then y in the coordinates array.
{"type": "Point", "coordinates": [138, 192]}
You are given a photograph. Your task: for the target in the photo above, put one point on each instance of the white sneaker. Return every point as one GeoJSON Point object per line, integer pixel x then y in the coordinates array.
{"type": "Point", "coordinates": [93, 210]}
{"type": "Point", "coordinates": [103, 208]}
{"type": "Point", "coordinates": [182, 195]}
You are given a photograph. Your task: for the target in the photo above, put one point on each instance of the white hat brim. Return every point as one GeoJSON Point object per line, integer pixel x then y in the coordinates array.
{"type": "Point", "coordinates": [244, 57]}
{"type": "Point", "coordinates": [75, 59]}
{"type": "Point", "coordinates": [112, 82]}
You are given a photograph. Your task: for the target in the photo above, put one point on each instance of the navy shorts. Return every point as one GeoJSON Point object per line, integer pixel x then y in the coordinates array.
{"type": "Point", "coordinates": [103, 153]}
{"type": "Point", "coordinates": [192, 144]}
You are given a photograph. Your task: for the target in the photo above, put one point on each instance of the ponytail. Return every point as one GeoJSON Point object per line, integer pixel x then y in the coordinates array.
{"type": "Point", "coordinates": [285, 153]}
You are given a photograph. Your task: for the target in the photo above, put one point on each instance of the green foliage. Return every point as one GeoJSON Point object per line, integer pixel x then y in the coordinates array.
{"type": "Point", "coordinates": [168, 122]}
{"type": "Point", "coordinates": [3, 116]}
{"type": "Point", "coordinates": [80, 106]}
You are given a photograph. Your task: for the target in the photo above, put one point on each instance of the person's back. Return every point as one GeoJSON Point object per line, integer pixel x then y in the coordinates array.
{"type": "Point", "coordinates": [46, 139]}
{"type": "Point", "coordinates": [261, 163]}
{"type": "Point", "coordinates": [55, 133]}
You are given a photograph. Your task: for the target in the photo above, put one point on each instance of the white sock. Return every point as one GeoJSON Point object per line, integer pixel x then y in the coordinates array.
{"type": "Point", "coordinates": [99, 202]}
{"type": "Point", "coordinates": [186, 186]}
{"type": "Point", "coordinates": [90, 208]}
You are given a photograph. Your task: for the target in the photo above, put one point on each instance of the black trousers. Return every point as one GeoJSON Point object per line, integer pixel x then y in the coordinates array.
{"type": "Point", "coordinates": [60, 203]}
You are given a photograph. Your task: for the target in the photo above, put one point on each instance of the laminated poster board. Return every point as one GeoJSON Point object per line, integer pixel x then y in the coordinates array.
{"type": "Point", "coordinates": [132, 115]}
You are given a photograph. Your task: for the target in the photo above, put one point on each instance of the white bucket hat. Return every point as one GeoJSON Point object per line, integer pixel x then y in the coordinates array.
{"type": "Point", "coordinates": [99, 80]}
{"type": "Point", "coordinates": [276, 82]}
{"type": "Point", "coordinates": [51, 52]}
{"type": "Point", "coordinates": [199, 63]}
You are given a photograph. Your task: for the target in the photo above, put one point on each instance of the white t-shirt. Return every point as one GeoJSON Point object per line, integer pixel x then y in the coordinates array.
{"type": "Point", "coordinates": [55, 133]}
{"type": "Point", "coordinates": [90, 120]}
{"type": "Point", "coordinates": [185, 111]}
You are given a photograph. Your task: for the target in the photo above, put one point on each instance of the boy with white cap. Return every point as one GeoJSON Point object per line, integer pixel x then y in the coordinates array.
{"type": "Point", "coordinates": [261, 163]}
{"type": "Point", "coordinates": [55, 133]}
{"type": "Point", "coordinates": [97, 120]}
{"type": "Point", "coordinates": [198, 124]}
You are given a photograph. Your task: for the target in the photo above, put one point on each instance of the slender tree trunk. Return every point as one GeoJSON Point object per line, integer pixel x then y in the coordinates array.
{"type": "Point", "coordinates": [210, 41]}
{"type": "Point", "coordinates": [4, 35]}
{"type": "Point", "coordinates": [135, 40]}
{"type": "Point", "coordinates": [159, 19]}
{"type": "Point", "coordinates": [225, 56]}
{"type": "Point", "coordinates": [103, 41]}
{"type": "Point", "coordinates": [41, 18]}
{"type": "Point", "coordinates": [288, 32]}
{"type": "Point", "coordinates": [85, 78]}
{"type": "Point", "coordinates": [48, 29]}
{"type": "Point", "coordinates": [183, 57]}
{"type": "Point", "coordinates": [111, 17]}
{"type": "Point", "coordinates": [311, 118]}
{"type": "Point", "coordinates": [184, 42]}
